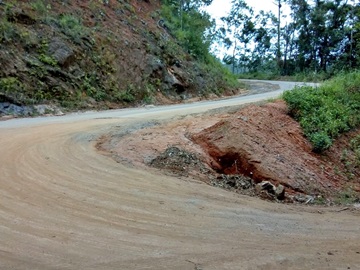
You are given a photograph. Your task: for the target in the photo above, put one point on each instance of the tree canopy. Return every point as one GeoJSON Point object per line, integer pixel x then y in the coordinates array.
{"type": "Point", "coordinates": [317, 36]}
{"type": "Point", "coordinates": [191, 26]}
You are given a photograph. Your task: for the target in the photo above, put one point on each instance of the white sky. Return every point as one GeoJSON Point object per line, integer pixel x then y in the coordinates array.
{"type": "Point", "coordinates": [220, 8]}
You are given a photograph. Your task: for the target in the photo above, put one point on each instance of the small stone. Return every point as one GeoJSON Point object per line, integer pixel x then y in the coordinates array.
{"type": "Point", "coordinates": [61, 52]}
{"type": "Point", "coordinates": [266, 185]}
{"type": "Point", "coordinates": [280, 192]}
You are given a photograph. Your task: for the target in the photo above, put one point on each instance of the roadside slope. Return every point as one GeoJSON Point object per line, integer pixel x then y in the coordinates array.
{"type": "Point", "coordinates": [94, 54]}
{"type": "Point", "coordinates": [260, 142]}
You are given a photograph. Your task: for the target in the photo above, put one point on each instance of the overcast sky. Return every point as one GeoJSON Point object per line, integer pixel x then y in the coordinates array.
{"type": "Point", "coordinates": [220, 8]}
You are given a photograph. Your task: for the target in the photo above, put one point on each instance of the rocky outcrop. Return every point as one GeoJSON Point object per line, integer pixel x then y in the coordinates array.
{"type": "Point", "coordinates": [7, 108]}
{"type": "Point", "coordinates": [103, 54]}
{"type": "Point", "coordinates": [268, 190]}
{"type": "Point", "coordinates": [61, 52]}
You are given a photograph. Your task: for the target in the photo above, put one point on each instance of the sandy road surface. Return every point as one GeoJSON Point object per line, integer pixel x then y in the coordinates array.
{"type": "Point", "coordinates": [63, 205]}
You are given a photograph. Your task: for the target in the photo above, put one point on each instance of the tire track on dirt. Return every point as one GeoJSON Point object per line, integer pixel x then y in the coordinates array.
{"type": "Point", "coordinates": [63, 205]}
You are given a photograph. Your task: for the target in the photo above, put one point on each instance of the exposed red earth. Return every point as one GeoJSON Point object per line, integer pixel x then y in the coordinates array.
{"type": "Point", "coordinates": [258, 141]}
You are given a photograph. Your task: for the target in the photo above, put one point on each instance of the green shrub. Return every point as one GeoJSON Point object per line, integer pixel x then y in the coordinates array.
{"type": "Point", "coordinates": [14, 89]}
{"type": "Point", "coordinates": [355, 143]}
{"type": "Point", "coordinates": [91, 88]}
{"type": "Point", "coordinates": [347, 196]}
{"type": "Point", "coordinates": [41, 7]}
{"type": "Point", "coordinates": [326, 111]}
{"type": "Point", "coordinates": [43, 53]}
{"type": "Point", "coordinates": [10, 85]}
{"type": "Point", "coordinates": [8, 31]}
{"type": "Point", "coordinates": [355, 146]}
{"type": "Point", "coordinates": [320, 141]}
{"type": "Point", "coordinates": [46, 59]}
{"type": "Point", "coordinates": [72, 27]}
{"type": "Point", "coordinates": [127, 95]}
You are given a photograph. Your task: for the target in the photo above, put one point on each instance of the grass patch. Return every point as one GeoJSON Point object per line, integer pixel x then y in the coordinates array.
{"type": "Point", "coordinates": [350, 157]}
{"type": "Point", "coordinates": [8, 31]}
{"type": "Point", "coordinates": [219, 78]}
{"type": "Point", "coordinates": [40, 7]}
{"type": "Point", "coordinates": [326, 111]}
{"type": "Point", "coordinates": [12, 88]}
{"type": "Point", "coordinates": [347, 197]}
{"type": "Point", "coordinates": [72, 27]}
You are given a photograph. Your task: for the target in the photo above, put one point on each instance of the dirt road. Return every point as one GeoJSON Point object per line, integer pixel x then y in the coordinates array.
{"type": "Point", "coordinates": [63, 205]}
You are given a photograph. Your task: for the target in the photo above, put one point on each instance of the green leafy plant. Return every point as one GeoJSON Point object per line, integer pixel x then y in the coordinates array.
{"type": "Point", "coordinates": [72, 27]}
{"type": "Point", "coordinates": [46, 59]}
{"type": "Point", "coordinates": [347, 196]}
{"type": "Point", "coordinates": [127, 95]}
{"type": "Point", "coordinates": [149, 93]}
{"type": "Point", "coordinates": [326, 111]}
{"type": "Point", "coordinates": [43, 54]}
{"type": "Point", "coordinates": [14, 89]}
{"type": "Point", "coordinates": [8, 31]}
{"type": "Point", "coordinates": [10, 85]}
{"type": "Point", "coordinates": [40, 6]}
{"type": "Point", "coordinates": [90, 88]}
{"type": "Point", "coordinates": [355, 146]}
{"type": "Point", "coordinates": [320, 141]}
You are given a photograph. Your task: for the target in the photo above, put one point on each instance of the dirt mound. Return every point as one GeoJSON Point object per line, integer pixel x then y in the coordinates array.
{"type": "Point", "coordinates": [264, 143]}
{"type": "Point", "coordinates": [257, 142]}
{"type": "Point", "coordinates": [178, 161]}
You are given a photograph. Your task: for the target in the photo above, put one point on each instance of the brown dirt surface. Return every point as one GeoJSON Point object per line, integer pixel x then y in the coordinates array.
{"type": "Point", "coordinates": [65, 206]}
{"type": "Point", "coordinates": [260, 142]}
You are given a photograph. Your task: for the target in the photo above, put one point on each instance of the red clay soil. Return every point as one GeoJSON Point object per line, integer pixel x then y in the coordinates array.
{"type": "Point", "coordinates": [259, 141]}
{"type": "Point", "coordinates": [264, 143]}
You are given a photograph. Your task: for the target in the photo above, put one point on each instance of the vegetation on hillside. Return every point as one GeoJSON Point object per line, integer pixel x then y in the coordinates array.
{"type": "Point", "coordinates": [328, 110]}
{"type": "Point", "coordinates": [194, 30]}
{"type": "Point", "coordinates": [105, 54]}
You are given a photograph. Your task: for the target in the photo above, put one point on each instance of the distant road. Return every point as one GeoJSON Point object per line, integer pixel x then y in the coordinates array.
{"type": "Point", "coordinates": [281, 85]}
{"type": "Point", "coordinates": [264, 90]}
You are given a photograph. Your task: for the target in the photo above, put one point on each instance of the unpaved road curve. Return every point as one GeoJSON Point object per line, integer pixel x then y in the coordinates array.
{"type": "Point", "coordinates": [63, 205]}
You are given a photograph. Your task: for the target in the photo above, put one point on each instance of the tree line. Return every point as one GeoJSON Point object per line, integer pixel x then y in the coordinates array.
{"type": "Point", "coordinates": [314, 36]}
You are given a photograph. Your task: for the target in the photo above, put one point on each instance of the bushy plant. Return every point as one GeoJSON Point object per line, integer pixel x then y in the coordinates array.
{"type": "Point", "coordinates": [8, 31]}
{"type": "Point", "coordinates": [46, 59]}
{"type": "Point", "coordinates": [355, 146]}
{"type": "Point", "coordinates": [40, 6]}
{"type": "Point", "coordinates": [326, 111]}
{"type": "Point", "coordinates": [221, 77]}
{"type": "Point", "coordinates": [72, 27]}
{"type": "Point", "coordinates": [10, 85]}
{"type": "Point", "coordinates": [320, 141]}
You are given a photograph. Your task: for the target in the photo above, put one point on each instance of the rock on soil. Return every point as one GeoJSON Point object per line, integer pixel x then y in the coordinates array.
{"type": "Point", "coordinates": [178, 161]}
{"type": "Point", "coordinates": [7, 108]}
{"type": "Point", "coordinates": [236, 183]}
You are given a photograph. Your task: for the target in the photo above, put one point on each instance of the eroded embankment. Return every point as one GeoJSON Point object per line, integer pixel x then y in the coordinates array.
{"type": "Point", "coordinates": [258, 143]}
